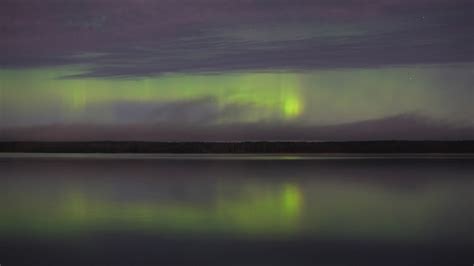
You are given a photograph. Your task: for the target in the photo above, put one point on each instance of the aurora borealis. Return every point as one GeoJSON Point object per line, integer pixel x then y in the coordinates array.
{"type": "Point", "coordinates": [236, 70]}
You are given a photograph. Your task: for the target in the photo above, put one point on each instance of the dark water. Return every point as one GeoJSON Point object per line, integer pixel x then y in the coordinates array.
{"type": "Point", "coordinates": [236, 210]}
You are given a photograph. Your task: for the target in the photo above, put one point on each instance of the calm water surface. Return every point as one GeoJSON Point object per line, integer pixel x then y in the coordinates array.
{"type": "Point", "coordinates": [75, 209]}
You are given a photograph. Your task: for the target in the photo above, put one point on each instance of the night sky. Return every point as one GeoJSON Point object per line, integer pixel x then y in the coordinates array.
{"type": "Point", "coordinates": [232, 70]}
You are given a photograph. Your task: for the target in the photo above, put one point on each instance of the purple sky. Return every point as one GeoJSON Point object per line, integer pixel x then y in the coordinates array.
{"type": "Point", "coordinates": [236, 69]}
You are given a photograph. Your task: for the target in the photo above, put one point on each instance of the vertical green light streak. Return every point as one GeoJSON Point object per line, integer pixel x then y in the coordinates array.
{"type": "Point", "coordinates": [313, 97]}
{"type": "Point", "coordinates": [266, 95]}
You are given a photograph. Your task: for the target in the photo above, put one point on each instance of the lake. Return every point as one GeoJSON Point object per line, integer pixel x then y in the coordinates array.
{"type": "Point", "coordinates": [138, 209]}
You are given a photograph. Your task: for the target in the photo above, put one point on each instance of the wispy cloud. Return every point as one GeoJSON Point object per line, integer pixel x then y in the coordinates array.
{"type": "Point", "coordinates": [143, 38]}
{"type": "Point", "coordinates": [401, 127]}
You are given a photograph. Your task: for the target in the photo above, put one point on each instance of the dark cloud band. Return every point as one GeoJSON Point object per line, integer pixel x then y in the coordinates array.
{"type": "Point", "coordinates": [143, 38]}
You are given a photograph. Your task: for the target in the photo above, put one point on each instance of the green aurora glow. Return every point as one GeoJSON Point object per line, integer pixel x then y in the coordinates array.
{"type": "Point", "coordinates": [313, 97]}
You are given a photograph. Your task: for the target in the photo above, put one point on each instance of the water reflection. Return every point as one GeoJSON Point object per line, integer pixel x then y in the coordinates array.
{"type": "Point", "coordinates": [250, 209]}
{"type": "Point", "coordinates": [398, 201]}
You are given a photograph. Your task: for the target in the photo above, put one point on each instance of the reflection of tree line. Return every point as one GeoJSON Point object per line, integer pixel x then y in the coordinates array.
{"type": "Point", "coordinates": [244, 147]}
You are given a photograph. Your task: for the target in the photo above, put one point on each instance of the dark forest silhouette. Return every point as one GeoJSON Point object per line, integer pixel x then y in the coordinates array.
{"type": "Point", "coordinates": [242, 147]}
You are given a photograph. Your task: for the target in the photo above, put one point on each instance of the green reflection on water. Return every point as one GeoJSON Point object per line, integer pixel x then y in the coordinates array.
{"type": "Point", "coordinates": [255, 209]}
{"type": "Point", "coordinates": [292, 200]}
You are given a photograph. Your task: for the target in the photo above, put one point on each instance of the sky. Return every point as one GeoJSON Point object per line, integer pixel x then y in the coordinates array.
{"type": "Point", "coordinates": [236, 70]}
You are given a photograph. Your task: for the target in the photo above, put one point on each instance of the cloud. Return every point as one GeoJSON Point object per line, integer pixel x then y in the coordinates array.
{"type": "Point", "coordinates": [144, 38]}
{"type": "Point", "coordinates": [200, 111]}
{"type": "Point", "coordinates": [401, 127]}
